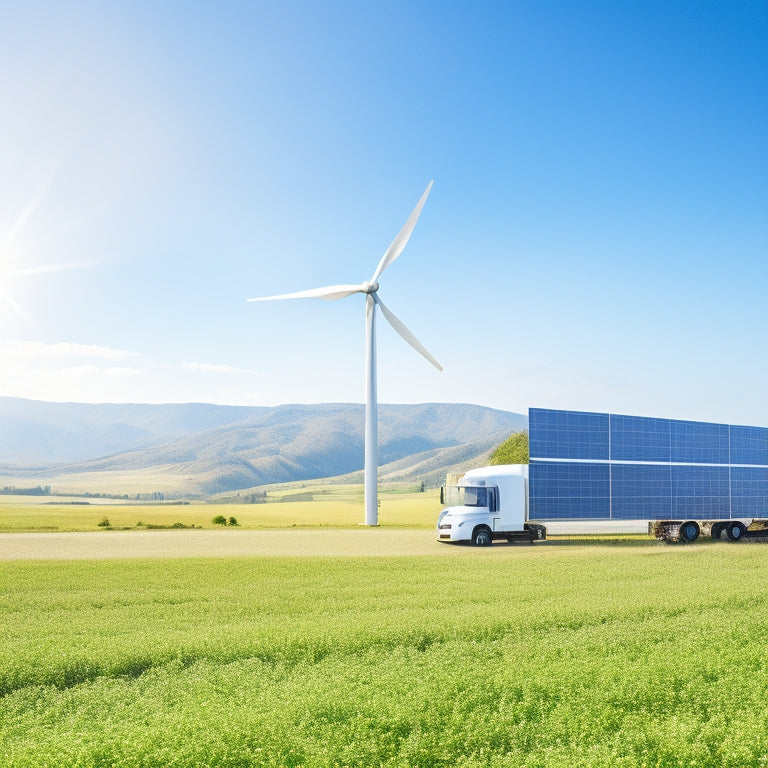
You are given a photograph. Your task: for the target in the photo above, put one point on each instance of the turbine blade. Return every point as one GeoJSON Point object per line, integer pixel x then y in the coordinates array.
{"type": "Point", "coordinates": [330, 293]}
{"type": "Point", "coordinates": [399, 243]}
{"type": "Point", "coordinates": [405, 333]}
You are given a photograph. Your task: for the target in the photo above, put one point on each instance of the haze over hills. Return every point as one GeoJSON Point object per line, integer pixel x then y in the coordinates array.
{"type": "Point", "coordinates": [35, 432]}
{"type": "Point", "coordinates": [199, 449]}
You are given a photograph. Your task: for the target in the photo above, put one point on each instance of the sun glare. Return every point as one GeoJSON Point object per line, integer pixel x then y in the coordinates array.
{"type": "Point", "coordinates": [6, 297]}
{"type": "Point", "coordinates": [13, 249]}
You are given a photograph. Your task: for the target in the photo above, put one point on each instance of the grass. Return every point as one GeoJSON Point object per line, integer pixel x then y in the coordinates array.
{"type": "Point", "coordinates": [547, 656]}
{"type": "Point", "coordinates": [334, 506]}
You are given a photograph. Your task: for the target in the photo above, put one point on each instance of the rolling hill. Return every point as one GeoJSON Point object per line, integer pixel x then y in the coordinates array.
{"type": "Point", "coordinates": [200, 450]}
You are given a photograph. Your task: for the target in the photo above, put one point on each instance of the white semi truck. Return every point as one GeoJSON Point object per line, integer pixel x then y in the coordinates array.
{"type": "Point", "coordinates": [486, 504]}
{"type": "Point", "coordinates": [492, 503]}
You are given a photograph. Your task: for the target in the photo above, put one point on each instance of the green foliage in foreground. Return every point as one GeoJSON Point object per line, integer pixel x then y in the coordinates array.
{"type": "Point", "coordinates": [557, 656]}
{"type": "Point", "coordinates": [514, 450]}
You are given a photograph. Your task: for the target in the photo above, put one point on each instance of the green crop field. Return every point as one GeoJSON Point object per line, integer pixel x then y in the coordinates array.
{"type": "Point", "coordinates": [315, 506]}
{"type": "Point", "coordinates": [554, 655]}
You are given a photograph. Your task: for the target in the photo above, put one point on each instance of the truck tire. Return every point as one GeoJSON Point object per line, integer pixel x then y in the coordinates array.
{"type": "Point", "coordinates": [689, 531]}
{"type": "Point", "coordinates": [716, 531]}
{"type": "Point", "coordinates": [481, 537]}
{"type": "Point", "coordinates": [736, 530]}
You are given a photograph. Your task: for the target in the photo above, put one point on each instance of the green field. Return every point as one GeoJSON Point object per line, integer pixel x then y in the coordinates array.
{"type": "Point", "coordinates": [554, 655]}
{"type": "Point", "coordinates": [335, 506]}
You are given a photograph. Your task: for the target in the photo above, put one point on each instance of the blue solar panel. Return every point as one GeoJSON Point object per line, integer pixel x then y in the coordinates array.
{"type": "Point", "coordinates": [749, 445]}
{"type": "Point", "coordinates": [641, 492]}
{"type": "Point", "coordinates": [699, 442]}
{"type": "Point", "coordinates": [634, 438]}
{"type": "Point", "coordinates": [590, 466]}
{"type": "Point", "coordinates": [569, 490]}
{"type": "Point", "coordinates": [567, 434]}
{"type": "Point", "coordinates": [700, 493]}
{"type": "Point", "coordinates": [749, 491]}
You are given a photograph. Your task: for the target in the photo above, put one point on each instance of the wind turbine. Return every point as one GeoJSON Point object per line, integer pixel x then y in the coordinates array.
{"type": "Point", "coordinates": [372, 300]}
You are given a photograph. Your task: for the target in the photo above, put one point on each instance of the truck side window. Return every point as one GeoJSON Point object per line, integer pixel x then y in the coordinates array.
{"type": "Point", "coordinates": [493, 500]}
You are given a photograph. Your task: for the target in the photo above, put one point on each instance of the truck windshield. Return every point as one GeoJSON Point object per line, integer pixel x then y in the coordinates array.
{"type": "Point", "coordinates": [465, 496]}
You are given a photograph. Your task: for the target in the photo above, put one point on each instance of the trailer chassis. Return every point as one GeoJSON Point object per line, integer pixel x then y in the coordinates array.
{"type": "Point", "coordinates": [687, 531]}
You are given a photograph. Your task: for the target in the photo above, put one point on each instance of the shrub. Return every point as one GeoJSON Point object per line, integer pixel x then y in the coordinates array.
{"type": "Point", "coordinates": [233, 521]}
{"type": "Point", "coordinates": [104, 523]}
{"type": "Point", "coordinates": [219, 520]}
{"type": "Point", "coordinates": [514, 450]}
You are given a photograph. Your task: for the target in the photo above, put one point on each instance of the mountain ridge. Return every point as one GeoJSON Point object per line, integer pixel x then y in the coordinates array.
{"type": "Point", "coordinates": [202, 449]}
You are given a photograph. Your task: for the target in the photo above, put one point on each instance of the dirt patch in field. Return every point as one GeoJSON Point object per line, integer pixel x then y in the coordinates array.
{"type": "Point", "coordinates": [115, 545]}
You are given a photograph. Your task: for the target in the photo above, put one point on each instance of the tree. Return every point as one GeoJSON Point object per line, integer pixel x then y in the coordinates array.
{"type": "Point", "coordinates": [514, 450]}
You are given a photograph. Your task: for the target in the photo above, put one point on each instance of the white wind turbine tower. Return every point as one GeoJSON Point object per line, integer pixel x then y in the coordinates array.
{"type": "Point", "coordinates": [372, 300]}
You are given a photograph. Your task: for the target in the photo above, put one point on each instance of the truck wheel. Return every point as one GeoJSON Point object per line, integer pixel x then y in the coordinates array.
{"type": "Point", "coordinates": [689, 531]}
{"type": "Point", "coordinates": [736, 531]}
{"type": "Point", "coordinates": [716, 531]}
{"type": "Point", "coordinates": [482, 537]}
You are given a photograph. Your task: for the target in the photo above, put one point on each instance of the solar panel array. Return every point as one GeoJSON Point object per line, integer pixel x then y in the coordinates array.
{"type": "Point", "coordinates": [598, 466]}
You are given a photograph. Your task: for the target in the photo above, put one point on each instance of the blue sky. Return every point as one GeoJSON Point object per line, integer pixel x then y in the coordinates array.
{"type": "Point", "coordinates": [596, 238]}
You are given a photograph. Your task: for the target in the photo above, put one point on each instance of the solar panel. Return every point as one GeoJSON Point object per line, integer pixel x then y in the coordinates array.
{"type": "Point", "coordinates": [588, 466]}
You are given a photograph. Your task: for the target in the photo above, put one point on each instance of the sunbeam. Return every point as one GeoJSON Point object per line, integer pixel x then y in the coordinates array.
{"type": "Point", "coordinates": [11, 250]}
{"type": "Point", "coordinates": [30, 208]}
{"type": "Point", "coordinates": [45, 269]}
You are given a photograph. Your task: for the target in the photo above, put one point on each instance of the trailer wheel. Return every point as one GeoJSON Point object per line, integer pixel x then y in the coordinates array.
{"type": "Point", "coordinates": [481, 537]}
{"type": "Point", "coordinates": [689, 531]}
{"type": "Point", "coordinates": [736, 530]}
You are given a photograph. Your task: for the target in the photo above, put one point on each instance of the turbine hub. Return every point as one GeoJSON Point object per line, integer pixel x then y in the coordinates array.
{"type": "Point", "coordinates": [371, 287]}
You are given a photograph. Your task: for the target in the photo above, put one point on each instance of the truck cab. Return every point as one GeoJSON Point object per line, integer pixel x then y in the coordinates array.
{"type": "Point", "coordinates": [486, 504]}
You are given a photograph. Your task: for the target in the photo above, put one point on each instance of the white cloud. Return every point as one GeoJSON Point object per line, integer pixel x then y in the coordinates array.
{"type": "Point", "coordinates": [121, 372]}
{"type": "Point", "coordinates": [30, 351]}
{"type": "Point", "coordinates": [74, 372]}
{"type": "Point", "coordinates": [223, 369]}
